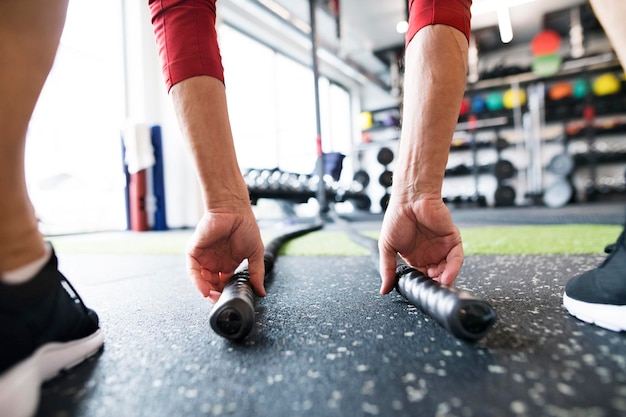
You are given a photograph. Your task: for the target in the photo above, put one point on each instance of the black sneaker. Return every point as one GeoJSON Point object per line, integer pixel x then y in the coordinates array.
{"type": "Point", "coordinates": [44, 329]}
{"type": "Point", "coordinates": [599, 295]}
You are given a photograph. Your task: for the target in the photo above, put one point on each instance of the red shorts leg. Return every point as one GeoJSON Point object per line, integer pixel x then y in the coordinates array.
{"type": "Point", "coordinates": [455, 13]}
{"type": "Point", "coordinates": [186, 39]}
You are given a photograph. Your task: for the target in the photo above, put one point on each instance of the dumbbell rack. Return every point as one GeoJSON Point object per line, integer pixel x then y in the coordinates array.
{"type": "Point", "coordinates": [295, 188]}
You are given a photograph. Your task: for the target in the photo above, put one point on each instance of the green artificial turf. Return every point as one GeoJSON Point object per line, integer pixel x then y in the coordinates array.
{"type": "Point", "coordinates": [123, 243]}
{"type": "Point", "coordinates": [548, 239]}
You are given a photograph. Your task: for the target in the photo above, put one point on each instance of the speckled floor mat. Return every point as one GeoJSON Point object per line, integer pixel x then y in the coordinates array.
{"type": "Point", "coordinates": [326, 344]}
{"type": "Point", "coordinates": [584, 213]}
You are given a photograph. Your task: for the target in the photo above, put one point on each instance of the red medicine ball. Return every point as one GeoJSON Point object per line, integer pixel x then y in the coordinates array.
{"type": "Point", "coordinates": [545, 43]}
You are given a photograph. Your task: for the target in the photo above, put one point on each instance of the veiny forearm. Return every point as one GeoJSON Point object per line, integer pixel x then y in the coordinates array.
{"type": "Point", "coordinates": [200, 105]}
{"type": "Point", "coordinates": [435, 75]}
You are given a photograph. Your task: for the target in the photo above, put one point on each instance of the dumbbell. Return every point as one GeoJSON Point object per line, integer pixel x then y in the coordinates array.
{"type": "Point", "coordinates": [250, 177]}
{"type": "Point", "coordinates": [262, 180]}
{"type": "Point", "coordinates": [274, 180]}
{"type": "Point", "coordinates": [303, 183]}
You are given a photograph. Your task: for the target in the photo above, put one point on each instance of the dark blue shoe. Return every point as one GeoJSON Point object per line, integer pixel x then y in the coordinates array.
{"type": "Point", "coordinates": [599, 295]}
{"type": "Point", "coordinates": [44, 329]}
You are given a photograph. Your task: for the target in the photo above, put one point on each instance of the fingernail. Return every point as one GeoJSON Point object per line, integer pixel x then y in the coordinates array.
{"type": "Point", "coordinates": [214, 295]}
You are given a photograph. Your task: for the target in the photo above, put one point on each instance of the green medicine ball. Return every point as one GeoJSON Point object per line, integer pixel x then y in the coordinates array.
{"type": "Point", "coordinates": [546, 65]}
{"type": "Point", "coordinates": [580, 88]}
{"type": "Point", "coordinates": [494, 102]}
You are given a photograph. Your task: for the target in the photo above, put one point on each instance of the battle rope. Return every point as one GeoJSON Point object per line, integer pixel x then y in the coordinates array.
{"type": "Point", "coordinates": [460, 312]}
{"type": "Point", "coordinates": [232, 317]}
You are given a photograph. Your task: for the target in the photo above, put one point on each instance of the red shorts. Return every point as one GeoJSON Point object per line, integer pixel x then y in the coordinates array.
{"type": "Point", "coordinates": [455, 13]}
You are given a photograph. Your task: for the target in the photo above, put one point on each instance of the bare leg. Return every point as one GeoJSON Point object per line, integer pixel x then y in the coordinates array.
{"type": "Point", "coordinates": [29, 36]}
{"type": "Point", "coordinates": [611, 14]}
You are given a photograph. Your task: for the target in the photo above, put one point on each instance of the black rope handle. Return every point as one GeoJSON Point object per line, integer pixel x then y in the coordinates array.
{"type": "Point", "coordinates": [463, 314]}
{"type": "Point", "coordinates": [232, 317]}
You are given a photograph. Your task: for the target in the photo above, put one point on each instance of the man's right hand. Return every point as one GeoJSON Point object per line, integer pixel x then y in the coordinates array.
{"type": "Point", "coordinates": [222, 240]}
{"type": "Point", "coordinates": [423, 233]}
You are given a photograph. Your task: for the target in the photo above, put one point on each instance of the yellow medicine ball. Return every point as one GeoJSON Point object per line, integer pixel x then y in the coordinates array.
{"type": "Point", "coordinates": [606, 84]}
{"type": "Point", "coordinates": [512, 98]}
{"type": "Point", "coordinates": [367, 120]}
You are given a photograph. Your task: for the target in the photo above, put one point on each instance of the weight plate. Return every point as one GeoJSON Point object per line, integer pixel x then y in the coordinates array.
{"type": "Point", "coordinates": [562, 164]}
{"type": "Point", "coordinates": [385, 156]}
{"type": "Point", "coordinates": [362, 177]}
{"type": "Point", "coordinates": [558, 194]}
{"type": "Point", "coordinates": [384, 202]}
{"type": "Point", "coordinates": [385, 178]}
{"type": "Point", "coordinates": [504, 196]}
{"type": "Point", "coordinates": [362, 202]}
{"type": "Point", "coordinates": [501, 144]}
{"type": "Point", "coordinates": [503, 169]}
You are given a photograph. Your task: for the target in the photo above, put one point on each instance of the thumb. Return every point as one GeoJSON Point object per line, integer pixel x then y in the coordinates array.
{"type": "Point", "coordinates": [453, 266]}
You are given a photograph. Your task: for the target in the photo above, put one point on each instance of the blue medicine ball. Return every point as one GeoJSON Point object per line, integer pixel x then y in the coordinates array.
{"type": "Point", "coordinates": [478, 104]}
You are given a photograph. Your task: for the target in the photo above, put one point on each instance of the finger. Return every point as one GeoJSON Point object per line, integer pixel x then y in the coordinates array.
{"type": "Point", "coordinates": [216, 279]}
{"type": "Point", "coordinates": [453, 266]}
{"type": "Point", "coordinates": [195, 273]}
{"type": "Point", "coordinates": [256, 268]}
{"type": "Point", "coordinates": [214, 296]}
{"type": "Point", "coordinates": [204, 286]}
{"type": "Point", "coordinates": [387, 270]}
{"type": "Point", "coordinates": [435, 271]}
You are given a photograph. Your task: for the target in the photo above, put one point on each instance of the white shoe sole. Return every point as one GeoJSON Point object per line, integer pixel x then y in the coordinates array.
{"type": "Point", "coordinates": [20, 385]}
{"type": "Point", "coordinates": [610, 317]}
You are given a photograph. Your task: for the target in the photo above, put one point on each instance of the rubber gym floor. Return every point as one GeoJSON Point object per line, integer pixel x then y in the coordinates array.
{"type": "Point", "coordinates": [327, 344]}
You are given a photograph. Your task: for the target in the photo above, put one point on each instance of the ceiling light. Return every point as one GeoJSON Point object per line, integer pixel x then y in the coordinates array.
{"type": "Point", "coordinates": [504, 24]}
{"type": "Point", "coordinates": [402, 27]}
